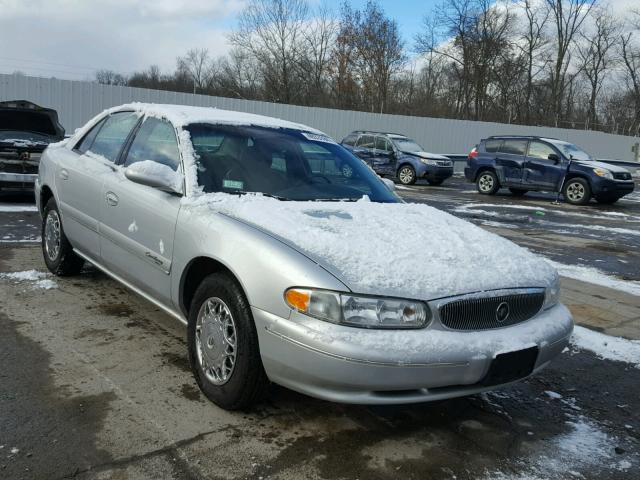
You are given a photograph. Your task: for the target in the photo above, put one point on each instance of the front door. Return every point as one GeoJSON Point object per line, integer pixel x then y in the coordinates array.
{"type": "Point", "coordinates": [540, 172]}
{"type": "Point", "coordinates": [138, 222]}
{"type": "Point", "coordinates": [364, 148]}
{"type": "Point", "coordinates": [510, 159]}
{"type": "Point", "coordinates": [383, 157]}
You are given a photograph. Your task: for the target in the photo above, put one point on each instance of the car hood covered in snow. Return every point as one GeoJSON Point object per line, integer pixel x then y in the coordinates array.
{"type": "Point", "coordinates": [404, 250]}
{"type": "Point", "coordinates": [430, 156]}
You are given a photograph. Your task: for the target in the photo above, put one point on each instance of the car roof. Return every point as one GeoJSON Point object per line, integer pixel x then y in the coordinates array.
{"type": "Point", "coordinates": [373, 132]}
{"type": "Point", "coordinates": [519, 137]}
{"type": "Point", "coordinates": [181, 115]}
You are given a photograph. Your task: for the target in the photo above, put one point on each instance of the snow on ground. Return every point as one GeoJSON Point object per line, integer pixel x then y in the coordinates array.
{"type": "Point", "coordinates": [595, 276]}
{"type": "Point", "coordinates": [17, 208]}
{"type": "Point", "coordinates": [606, 346]}
{"type": "Point", "coordinates": [34, 277]}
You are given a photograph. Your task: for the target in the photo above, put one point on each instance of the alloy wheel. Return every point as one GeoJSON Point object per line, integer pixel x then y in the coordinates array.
{"type": "Point", "coordinates": [52, 235]}
{"type": "Point", "coordinates": [406, 175]}
{"type": "Point", "coordinates": [575, 192]}
{"type": "Point", "coordinates": [485, 183]}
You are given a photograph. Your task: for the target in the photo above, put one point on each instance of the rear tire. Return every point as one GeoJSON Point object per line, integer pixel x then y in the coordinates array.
{"type": "Point", "coordinates": [517, 192]}
{"type": "Point", "coordinates": [435, 182]}
{"type": "Point", "coordinates": [577, 191]}
{"type": "Point", "coordinates": [58, 253]}
{"type": "Point", "coordinates": [407, 175]}
{"type": "Point", "coordinates": [487, 183]}
{"type": "Point", "coordinates": [223, 345]}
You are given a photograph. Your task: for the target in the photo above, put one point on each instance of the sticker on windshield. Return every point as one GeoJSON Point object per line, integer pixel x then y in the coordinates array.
{"type": "Point", "coordinates": [317, 137]}
{"type": "Point", "coordinates": [235, 184]}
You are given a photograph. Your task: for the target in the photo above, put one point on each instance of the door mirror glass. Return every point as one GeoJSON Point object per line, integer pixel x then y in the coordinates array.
{"type": "Point", "coordinates": [554, 157]}
{"type": "Point", "coordinates": [155, 175]}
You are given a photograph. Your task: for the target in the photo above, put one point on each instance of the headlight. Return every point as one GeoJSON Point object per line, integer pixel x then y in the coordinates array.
{"type": "Point", "coordinates": [604, 173]}
{"type": "Point", "coordinates": [359, 311]}
{"type": "Point", "coordinates": [552, 294]}
{"type": "Point", "coordinates": [426, 161]}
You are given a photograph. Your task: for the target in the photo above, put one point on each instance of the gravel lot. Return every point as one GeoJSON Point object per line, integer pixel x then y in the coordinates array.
{"type": "Point", "coordinates": [95, 381]}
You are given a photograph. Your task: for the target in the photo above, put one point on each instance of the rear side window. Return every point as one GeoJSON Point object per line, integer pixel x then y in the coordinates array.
{"type": "Point", "coordinates": [113, 134]}
{"type": "Point", "coordinates": [367, 141]}
{"type": "Point", "coordinates": [350, 140]}
{"type": "Point", "coordinates": [514, 147]}
{"type": "Point", "coordinates": [492, 146]}
{"type": "Point", "coordinates": [87, 141]}
{"type": "Point", "coordinates": [156, 141]}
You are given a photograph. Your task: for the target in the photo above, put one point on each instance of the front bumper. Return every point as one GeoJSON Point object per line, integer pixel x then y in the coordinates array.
{"type": "Point", "coordinates": [18, 180]}
{"type": "Point", "coordinates": [613, 188]}
{"type": "Point", "coordinates": [432, 172]}
{"type": "Point", "coordinates": [352, 365]}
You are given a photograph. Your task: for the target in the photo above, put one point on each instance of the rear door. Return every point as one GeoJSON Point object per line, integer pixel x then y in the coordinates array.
{"type": "Point", "coordinates": [510, 159]}
{"type": "Point", "coordinates": [364, 148]}
{"type": "Point", "coordinates": [540, 172]}
{"type": "Point", "coordinates": [79, 178]}
{"type": "Point", "coordinates": [138, 222]}
{"type": "Point", "coordinates": [383, 158]}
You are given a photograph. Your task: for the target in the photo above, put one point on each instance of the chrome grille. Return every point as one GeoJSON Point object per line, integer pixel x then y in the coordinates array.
{"type": "Point", "coordinates": [480, 313]}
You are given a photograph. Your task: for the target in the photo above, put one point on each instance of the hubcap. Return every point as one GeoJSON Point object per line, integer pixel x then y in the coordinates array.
{"type": "Point", "coordinates": [485, 183]}
{"type": "Point", "coordinates": [406, 175]}
{"type": "Point", "coordinates": [216, 341]}
{"type": "Point", "coordinates": [52, 235]}
{"type": "Point", "coordinates": [575, 192]}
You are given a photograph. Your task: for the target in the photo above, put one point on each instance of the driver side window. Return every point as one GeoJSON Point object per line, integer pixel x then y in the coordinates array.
{"type": "Point", "coordinates": [156, 141]}
{"type": "Point", "coordinates": [540, 150]}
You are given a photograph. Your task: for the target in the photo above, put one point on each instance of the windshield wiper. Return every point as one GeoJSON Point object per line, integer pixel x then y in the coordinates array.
{"type": "Point", "coordinates": [244, 192]}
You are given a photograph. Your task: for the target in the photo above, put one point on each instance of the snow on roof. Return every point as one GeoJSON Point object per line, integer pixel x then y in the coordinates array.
{"type": "Point", "coordinates": [181, 115]}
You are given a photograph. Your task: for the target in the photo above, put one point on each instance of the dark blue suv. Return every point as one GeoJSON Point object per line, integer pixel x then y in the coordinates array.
{"type": "Point", "coordinates": [390, 154]}
{"type": "Point", "coordinates": [542, 164]}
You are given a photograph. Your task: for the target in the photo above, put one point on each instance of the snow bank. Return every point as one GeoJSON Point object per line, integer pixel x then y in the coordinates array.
{"type": "Point", "coordinates": [36, 278]}
{"type": "Point", "coordinates": [595, 276]}
{"type": "Point", "coordinates": [397, 249]}
{"type": "Point", "coordinates": [606, 346]}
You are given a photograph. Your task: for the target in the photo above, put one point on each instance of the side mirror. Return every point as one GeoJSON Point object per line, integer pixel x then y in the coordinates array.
{"type": "Point", "coordinates": [155, 175]}
{"type": "Point", "coordinates": [554, 157]}
{"type": "Point", "coordinates": [389, 184]}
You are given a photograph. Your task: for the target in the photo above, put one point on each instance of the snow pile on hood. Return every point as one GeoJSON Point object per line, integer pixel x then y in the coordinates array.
{"type": "Point", "coordinates": [428, 155]}
{"type": "Point", "coordinates": [409, 250]}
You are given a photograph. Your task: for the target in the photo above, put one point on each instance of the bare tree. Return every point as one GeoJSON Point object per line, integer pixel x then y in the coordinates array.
{"type": "Point", "coordinates": [271, 31]}
{"type": "Point", "coordinates": [533, 41]}
{"type": "Point", "coordinates": [109, 77]}
{"type": "Point", "coordinates": [196, 64]}
{"type": "Point", "coordinates": [568, 17]}
{"type": "Point", "coordinates": [630, 52]}
{"type": "Point", "coordinates": [596, 55]}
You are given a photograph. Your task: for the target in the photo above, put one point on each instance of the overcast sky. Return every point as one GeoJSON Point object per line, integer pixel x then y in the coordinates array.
{"type": "Point", "coordinates": [74, 38]}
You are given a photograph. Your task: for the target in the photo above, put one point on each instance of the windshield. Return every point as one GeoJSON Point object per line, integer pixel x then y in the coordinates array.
{"type": "Point", "coordinates": [285, 163]}
{"type": "Point", "coordinates": [407, 145]}
{"type": "Point", "coordinates": [570, 150]}
{"type": "Point", "coordinates": [23, 136]}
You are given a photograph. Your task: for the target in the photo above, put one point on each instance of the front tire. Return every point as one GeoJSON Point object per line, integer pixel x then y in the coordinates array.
{"type": "Point", "coordinates": [577, 191]}
{"type": "Point", "coordinates": [487, 183]}
{"type": "Point", "coordinates": [407, 175]}
{"type": "Point", "coordinates": [58, 253]}
{"type": "Point", "coordinates": [223, 345]}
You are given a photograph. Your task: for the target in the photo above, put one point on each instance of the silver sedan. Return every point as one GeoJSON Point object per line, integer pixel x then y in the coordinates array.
{"type": "Point", "coordinates": [287, 270]}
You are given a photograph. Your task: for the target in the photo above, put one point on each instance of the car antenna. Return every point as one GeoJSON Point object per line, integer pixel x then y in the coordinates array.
{"type": "Point", "coordinates": [564, 178]}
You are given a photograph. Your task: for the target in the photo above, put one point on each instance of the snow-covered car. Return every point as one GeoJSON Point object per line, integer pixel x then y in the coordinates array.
{"type": "Point", "coordinates": [285, 269]}
{"type": "Point", "coordinates": [25, 131]}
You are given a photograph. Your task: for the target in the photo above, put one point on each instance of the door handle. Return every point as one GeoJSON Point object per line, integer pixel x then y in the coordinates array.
{"type": "Point", "coordinates": [112, 199]}
{"type": "Point", "coordinates": [64, 174]}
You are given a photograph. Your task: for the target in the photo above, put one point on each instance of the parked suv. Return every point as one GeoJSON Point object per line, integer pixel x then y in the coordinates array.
{"type": "Point", "coordinates": [545, 164]}
{"type": "Point", "coordinates": [396, 155]}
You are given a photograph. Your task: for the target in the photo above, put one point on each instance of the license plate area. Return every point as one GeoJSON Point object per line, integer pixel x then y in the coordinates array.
{"type": "Point", "coordinates": [511, 366]}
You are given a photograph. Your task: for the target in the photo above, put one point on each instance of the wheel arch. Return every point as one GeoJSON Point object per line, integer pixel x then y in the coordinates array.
{"type": "Point", "coordinates": [45, 194]}
{"type": "Point", "coordinates": [193, 274]}
{"type": "Point", "coordinates": [573, 175]}
{"type": "Point", "coordinates": [485, 168]}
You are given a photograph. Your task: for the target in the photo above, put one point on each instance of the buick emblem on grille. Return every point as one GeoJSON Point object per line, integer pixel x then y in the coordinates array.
{"type": "Point", "coordinates": [502, 312]}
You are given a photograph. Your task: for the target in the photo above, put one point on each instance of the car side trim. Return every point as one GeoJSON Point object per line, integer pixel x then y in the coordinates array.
{"type": "Point", "coordinates": [130, 286]}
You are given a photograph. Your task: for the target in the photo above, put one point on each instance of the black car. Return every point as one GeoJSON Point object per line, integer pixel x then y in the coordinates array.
{"type": "Point", "coordinates": [398, 156]}
{"type": "Point", "coordinates": [26, 129]}
{"type": "Point", "coordinates": [522, 164]}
